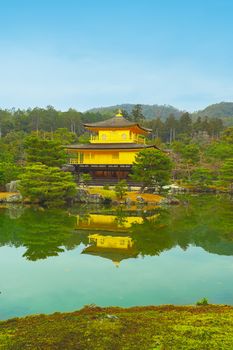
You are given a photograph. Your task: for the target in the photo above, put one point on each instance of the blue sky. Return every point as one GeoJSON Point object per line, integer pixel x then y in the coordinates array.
{"type": "Point", "coordinates": [89, 53]}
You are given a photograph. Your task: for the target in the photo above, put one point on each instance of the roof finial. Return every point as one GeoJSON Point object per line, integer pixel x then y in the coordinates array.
{"type": "Point", "coordinates": [116, 263]}
{"type": "Point", "coordinates": [119, 113]}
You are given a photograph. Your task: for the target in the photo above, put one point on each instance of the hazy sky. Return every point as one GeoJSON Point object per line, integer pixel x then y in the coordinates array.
{"type": "Point", "coordinates": [89, 53]}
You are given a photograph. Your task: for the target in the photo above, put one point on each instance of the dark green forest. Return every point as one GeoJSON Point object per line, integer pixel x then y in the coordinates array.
{"type": "Point", "coordinates": [201, 147]}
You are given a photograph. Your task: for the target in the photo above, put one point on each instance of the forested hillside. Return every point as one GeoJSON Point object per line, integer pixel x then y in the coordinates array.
{"type": "Point", "coordinates": [149, 111]}
{"type": "Point", "coordinates": [223, 110]}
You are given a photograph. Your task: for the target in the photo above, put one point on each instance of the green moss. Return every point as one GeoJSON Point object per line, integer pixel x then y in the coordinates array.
{"type": "Point", "coordinates": [105, 193]}
{"type": "Point", "coordinates": [143, 328]}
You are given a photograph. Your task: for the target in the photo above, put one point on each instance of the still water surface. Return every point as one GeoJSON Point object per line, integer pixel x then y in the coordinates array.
{"type": "Point", "coordinates": [60, 260]}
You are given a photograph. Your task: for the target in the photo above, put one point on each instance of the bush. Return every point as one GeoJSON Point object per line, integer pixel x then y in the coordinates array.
{"type": "Point", "coordinates": [121, 189]}
{"type": "Point", "coordinates": [202, 302]}
{"type": "Point", "coordinates": [48, 186]}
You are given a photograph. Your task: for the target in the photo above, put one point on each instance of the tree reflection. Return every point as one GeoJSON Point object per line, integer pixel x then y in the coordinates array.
{"type": "Point", "coordinates": [203, 221]}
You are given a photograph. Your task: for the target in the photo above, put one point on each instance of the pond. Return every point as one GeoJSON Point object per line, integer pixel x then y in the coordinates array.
{"type": "Point", "coordinates": [61, 260]}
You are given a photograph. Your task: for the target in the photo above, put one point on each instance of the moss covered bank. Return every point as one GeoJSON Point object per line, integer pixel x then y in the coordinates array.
{"type": "Point", "coordinates": [165, 327]}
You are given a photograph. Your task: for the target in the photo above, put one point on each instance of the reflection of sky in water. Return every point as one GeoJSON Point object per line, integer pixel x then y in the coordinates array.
{"type": "Point", "coordinates": [71, 280]}
{"type": "Point", "coordinates": [47, 265]}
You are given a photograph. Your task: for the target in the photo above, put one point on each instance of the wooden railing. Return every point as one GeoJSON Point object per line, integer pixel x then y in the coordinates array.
{"type": "Point", "coordinates": [97, 139]}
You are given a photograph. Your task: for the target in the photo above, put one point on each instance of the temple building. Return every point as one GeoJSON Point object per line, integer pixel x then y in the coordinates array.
{"type": "Point", "coordinates": [112, 149]}
{"type": "Point", "coordinates": [115, 248]}
{"type": "Point", "coordinates": [107, 222]}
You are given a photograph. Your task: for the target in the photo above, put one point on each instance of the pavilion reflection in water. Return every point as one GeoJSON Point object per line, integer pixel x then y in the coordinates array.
{"type": "Point", "coordinates": [118, 246]}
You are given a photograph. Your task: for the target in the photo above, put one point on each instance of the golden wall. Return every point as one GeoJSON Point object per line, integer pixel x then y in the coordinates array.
{"type": "Point", "coordinates": [103, 157]}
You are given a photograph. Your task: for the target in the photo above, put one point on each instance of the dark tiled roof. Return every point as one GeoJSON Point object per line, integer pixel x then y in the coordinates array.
{"type": "Point", "coordinates": [115, 122]}
{"type": "Point", "coordinates": [110, 253]}
{"type": "Point", "coordinates": [109, 146]}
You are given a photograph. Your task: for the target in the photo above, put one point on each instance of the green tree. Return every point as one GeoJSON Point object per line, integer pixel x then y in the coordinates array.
{"type": "Point", "coordinates": [202, 177]}
{"type": "Point", "coordinates": [219, 150]}
{"type": "Point", "coordinates": [9, 172]}
{"type": "Point", "coordinates": [48, 186]}
{"type": "Point", "coordinates": [121, 189]}
{"type": "Point", "coordinates": [228, 135]}
{"type": "Point", "coordinates": [170, 128]}
{"type": "Point", "coordinates": [13, 143]}
{"type": "Point", "coordinates": [84, 138]}
{"type": "Point", "coordinates": [45, 151]}
{"type": "Point", "coordinates": [190, 153]}
{"type": "Point", "coordinates": [227, 173]}
{"type": "Point", "coordinates": [65, 137]}
{"type": "Point", "coordinates": [137, 114]}
{"type": "Point", "coordinates": [152, 167]}
{"type": "Point", "coordinates": [85, 178]}
{"type": "Point", "coordinates": [185, 124]}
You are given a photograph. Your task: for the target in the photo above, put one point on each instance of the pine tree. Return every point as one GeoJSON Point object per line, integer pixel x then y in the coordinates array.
{"type": "Point", "coordinates": [47, 185]}
{"type": "Point", "coordinates": [152, 167]}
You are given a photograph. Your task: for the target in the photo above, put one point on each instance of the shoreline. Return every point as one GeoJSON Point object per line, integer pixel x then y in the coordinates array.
{"type": "Point", "coordinates": [144, 327]}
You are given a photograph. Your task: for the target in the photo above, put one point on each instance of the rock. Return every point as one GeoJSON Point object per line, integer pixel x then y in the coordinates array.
{"type": "Point", "coordinates": [112, 317]}
{"type": "Point", "coordinates": [128, 201]}
{"type": "Point", "coordinates": [12, 186]}
{"type": "Point", "coordinates": [170, 201]}
{"type": "Point", "coordinates": [95, 198]}
{"type": "Point", "coordinates": [140, 199]}
{"type": "Point", "coordinates": [82, 196]}
{"type": "Point", "coordinates": [174, 201]}
{"type": "Point", "coordinates": [68, 167]}
{"type": "Point", "coordinates": [15, 198]}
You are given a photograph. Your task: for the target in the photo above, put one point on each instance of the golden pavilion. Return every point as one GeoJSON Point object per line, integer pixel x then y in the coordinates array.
{"type": "Point", "coordinates": [115, 248]}
{"type": "Point", "coordinates": [112, 149]}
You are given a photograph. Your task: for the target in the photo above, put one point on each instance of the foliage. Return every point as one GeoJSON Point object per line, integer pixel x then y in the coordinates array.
{"type": "Point", "coordinates": [137, 114]}
{"type": "Point", "coordinates": [45, 151]}
{"type": "Point", "coordinates": [190, 153]}
{"type": "Point", "coordinates": [64, 137]}
{"type": "Point", "coordinates": [121, 189]}
{"type": "Point", "coordinates": [47, 185]}
{"type": "Point", "coordinates": [84, 138]}
{"type": "Point", "coordinates": [227, 172]}
{"type": "Point", "coordinates": [220, 110]}
{"type": "Point", "coordinates": [85, 178]}
{"type": "Point", "coordinates": [228, 135]}
{"type": "Point", "coordinates": [152, 167]}
{"type": "Point", "coordinates": [202, 302]}
{"type": "Point", "coordinates": [219, 150]}
{"type": "Point", "coordinates": [9, 172]}
{"type": "Point", "coordinates": [106, 187]}
{"type": "Point", "coordinates": [12, 147]}
{"type": "Point", "coordinates": [202, 177]}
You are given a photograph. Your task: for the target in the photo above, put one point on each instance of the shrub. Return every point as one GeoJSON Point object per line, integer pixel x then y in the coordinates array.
{"type": "Point", "coordinates": [202, 302]}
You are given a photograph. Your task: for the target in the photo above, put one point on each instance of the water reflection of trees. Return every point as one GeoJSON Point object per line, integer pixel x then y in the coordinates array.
{"type": "Point", "coordinates": [43, 234]}
{"type": "Point", "coordinates": [204, 221]}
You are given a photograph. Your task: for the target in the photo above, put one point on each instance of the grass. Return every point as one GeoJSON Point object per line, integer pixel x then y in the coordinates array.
{"type": "Point", "coordinates": [144, 328]}
{"type": "Point", "coordinates": [105, 193]}
{"type": "Point", "coordinates": [148, 197]}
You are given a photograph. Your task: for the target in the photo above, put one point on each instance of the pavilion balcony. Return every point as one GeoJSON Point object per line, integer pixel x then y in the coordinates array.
{"type": "Point", "coordinates": [112, 139]}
